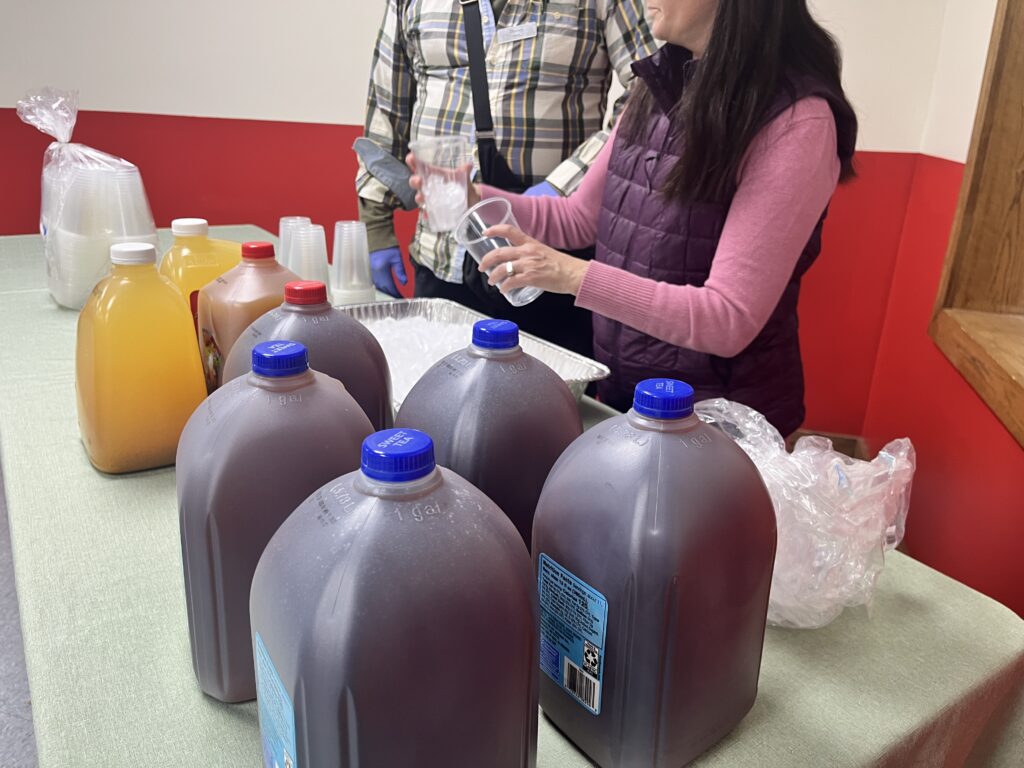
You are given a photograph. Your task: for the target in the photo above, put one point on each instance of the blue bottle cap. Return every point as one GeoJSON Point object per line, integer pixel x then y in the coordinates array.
{"type": "Point", "coordinates": [495, 334]}
{"type": "Point", "coordinates": [279, 358]}
{"type": "Point", "coordinates": [398, 455]}
{"type": "Point", "coordinates": [663, 399]}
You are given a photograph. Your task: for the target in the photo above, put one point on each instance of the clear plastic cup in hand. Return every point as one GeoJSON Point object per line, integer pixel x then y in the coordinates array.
{"type": "Point", "coordinates": [350, 269]}
{"type": "Point", "coordinates": [469, 233]}
{"type": "Point", "coordinates": [308, 254]}
{"type": "Point", "coordinates": [284, 236]}
{"type": "Point", "coordinates": [443, 164]}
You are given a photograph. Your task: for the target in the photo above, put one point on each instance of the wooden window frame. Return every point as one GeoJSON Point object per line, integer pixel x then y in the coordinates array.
{"type": "Point", "coordinates": [978, 321]}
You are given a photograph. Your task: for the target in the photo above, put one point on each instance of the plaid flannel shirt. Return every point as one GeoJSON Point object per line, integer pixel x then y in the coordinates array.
{"type": "Point", "coordinates": [548, 91]}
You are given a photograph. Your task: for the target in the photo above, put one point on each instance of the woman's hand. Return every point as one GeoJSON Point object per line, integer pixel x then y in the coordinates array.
{"type": "Point", "coordinates": [416, 182]}
{"type": "Point", "coordinates": [533, 264]}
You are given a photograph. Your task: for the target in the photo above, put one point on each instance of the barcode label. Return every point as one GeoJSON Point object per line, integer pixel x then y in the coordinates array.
{"type": "Point", "coordinates": [582, 686]}
{"type": "Point", "coordinates": [277, 715]}
{"type": "Point", "coordinates": [573, 626]}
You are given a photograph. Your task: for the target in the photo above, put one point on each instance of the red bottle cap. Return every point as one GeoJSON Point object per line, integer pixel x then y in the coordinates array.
{"type": "Point", "coordinates": [257, 250]}
{"type": "Point", "coordinates": [305, 292]}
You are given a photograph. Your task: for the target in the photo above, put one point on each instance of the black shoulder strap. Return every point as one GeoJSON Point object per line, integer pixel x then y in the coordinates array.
{"type": "Point", "coordinates": [477, 68]}
{"type": "Point", "coordinates": [494, 170]}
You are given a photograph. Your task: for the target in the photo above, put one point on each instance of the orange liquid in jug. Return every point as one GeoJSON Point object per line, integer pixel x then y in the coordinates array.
{"type": "Point", "coordinates": [138, 377]}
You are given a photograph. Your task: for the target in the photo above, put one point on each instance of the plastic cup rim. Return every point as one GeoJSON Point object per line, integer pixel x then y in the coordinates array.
{"type": "Point", "coordinates": [469, 212]}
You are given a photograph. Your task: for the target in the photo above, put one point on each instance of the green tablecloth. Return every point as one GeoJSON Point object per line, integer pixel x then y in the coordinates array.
{"type": "Point", "coordinates": [931, 675]}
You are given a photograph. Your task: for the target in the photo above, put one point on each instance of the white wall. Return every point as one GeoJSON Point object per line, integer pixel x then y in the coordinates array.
{"type": "Point", "coordinates": [912, 67]}
{"type": "Point", "coordinates": [889, 49]}
{"type": "Point", "coordinates": [303, 60]}
{"type": "Point", "coordinates": [958, 75]}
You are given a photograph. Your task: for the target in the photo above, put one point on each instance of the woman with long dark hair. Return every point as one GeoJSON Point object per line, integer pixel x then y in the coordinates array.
{"type": "Point", "coordinates": [706, 206]}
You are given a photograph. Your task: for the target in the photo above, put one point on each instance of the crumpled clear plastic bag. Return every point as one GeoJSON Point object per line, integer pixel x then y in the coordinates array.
{"type": "Point", "coordinates": [90, 200]}
{"type": "Point", "coordinates": [836, 516]}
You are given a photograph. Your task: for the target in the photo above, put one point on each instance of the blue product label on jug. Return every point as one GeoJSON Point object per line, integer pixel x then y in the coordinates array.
{"type": "Point", "coordinates": [277, 715]}
{"type": "Point", "coordinates": [573, 624]}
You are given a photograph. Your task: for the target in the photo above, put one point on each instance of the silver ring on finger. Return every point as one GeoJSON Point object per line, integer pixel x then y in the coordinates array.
{"type": "Point", "coordinates": [510, 268]}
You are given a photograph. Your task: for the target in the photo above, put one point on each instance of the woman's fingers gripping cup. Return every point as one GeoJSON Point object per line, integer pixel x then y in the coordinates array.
{"type": "Point", "coordinates": [527, 262]}
{"type": "Point", "coordinates": [474, 234]}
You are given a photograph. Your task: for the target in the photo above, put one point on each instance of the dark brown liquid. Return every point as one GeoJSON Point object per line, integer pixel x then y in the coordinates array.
{"type": "Point", "coordinates": [498, 420]}
{"type": "Point", "coordinates": [338, 345]}
{"type": "Point", "coordinates": [250, 454]}
{"type": "Point", "coordinates": [671, 523]}
{"type": "Point", "coordinates": [406, 633]}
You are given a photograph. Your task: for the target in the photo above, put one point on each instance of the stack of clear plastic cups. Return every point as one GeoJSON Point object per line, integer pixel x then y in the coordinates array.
{"type": "Point", "coordinates": [350, 268]}
{"type": "Point", "coordinates": [101, 207]}
{"type": "Point", "coordinates": [443, 164]}
{"type": "Point", "coordinates": [49, 206]}
{"type": "Point", "coordinates": [469, 233]}
{"type": "Point", "coordinates": [308, 254]}
{"type": "Point", "coordinates": [284, 236]}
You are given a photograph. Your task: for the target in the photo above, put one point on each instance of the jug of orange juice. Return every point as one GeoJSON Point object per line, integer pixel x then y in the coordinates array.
{"type": "Point", "coordinates": [196, 259]}
{"type": "Point", "coordinates": [137, 375]}
{"type": "Point", "coordinates": [233, 300]}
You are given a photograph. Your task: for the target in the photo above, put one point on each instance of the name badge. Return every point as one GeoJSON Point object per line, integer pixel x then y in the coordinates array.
{"type": "Point", "coordinates": [519, 32]}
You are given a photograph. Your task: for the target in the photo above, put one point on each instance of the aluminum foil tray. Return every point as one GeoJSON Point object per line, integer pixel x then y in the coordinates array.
{"type": "Point", "coordinates": [417, 333]}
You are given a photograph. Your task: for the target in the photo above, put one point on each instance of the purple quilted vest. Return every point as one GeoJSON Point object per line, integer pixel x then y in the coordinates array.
{"type": "Point", "coordinates": [639, 231]}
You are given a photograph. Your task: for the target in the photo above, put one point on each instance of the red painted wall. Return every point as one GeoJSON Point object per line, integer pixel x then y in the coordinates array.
{"type": "Point", "coordinates": [254, 172]}
{"type": "Point", "coordinates": [225, 171]}
{"type": "Point", "coordinates": [844, 295]}
{"type": "Point", "coordinates": [21, 160]}
{"type": "Point", "coordinates": [967, 515]}
{"type": "Point", "coordinates": [871, 368]}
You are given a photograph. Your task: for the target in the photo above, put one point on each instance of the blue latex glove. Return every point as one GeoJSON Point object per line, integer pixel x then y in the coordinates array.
{"type": "Point", "coordinates": [381, 264]}
{"type": "Point", "coordinates": [544, 189]}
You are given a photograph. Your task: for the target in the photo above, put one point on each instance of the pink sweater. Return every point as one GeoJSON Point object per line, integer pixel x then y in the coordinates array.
{"type": "Point", "coordinates": [787, 179]}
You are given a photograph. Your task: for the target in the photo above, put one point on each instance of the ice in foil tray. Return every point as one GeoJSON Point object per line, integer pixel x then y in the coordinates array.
{"type": "Point", "coordinates": [417, 333]}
